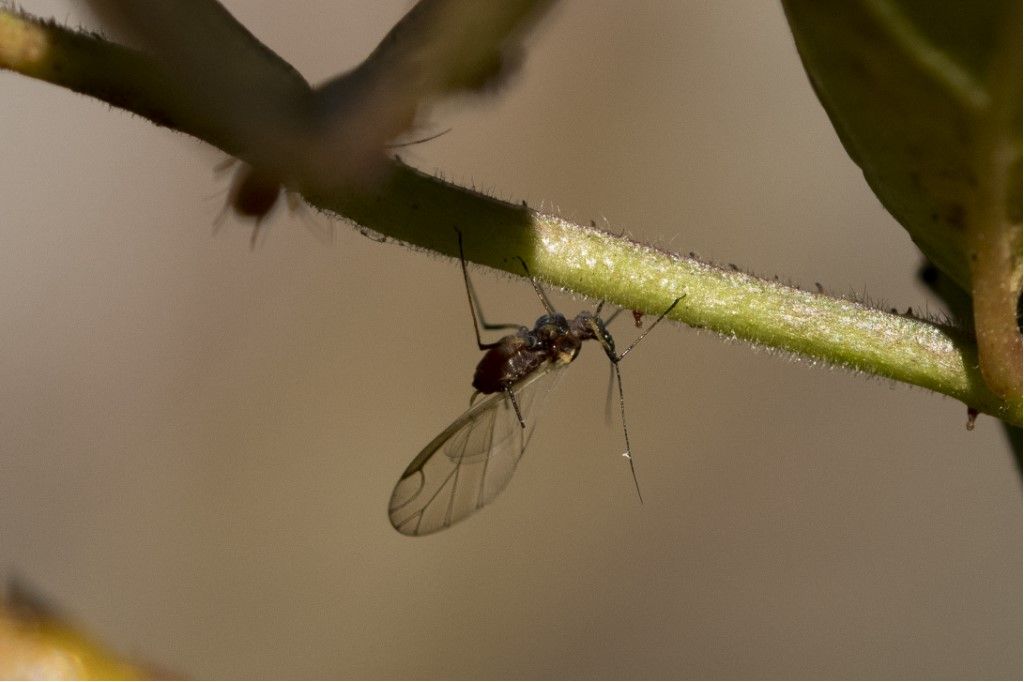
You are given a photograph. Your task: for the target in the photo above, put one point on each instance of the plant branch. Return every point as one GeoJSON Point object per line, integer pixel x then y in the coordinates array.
{"type": "Point", "coordinates": [424, 211]}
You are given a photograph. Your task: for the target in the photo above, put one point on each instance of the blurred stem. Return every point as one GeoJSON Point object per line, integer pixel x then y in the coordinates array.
{"type": "Point", "coordinates": [424, 211]}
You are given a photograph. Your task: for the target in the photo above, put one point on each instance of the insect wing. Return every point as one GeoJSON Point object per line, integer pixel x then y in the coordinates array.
{"type": "Point", "coordinates": [470, 462]}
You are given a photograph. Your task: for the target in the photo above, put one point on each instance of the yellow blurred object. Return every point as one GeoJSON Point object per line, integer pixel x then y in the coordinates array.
{"type": "Point", "coordinates": [35, 644]}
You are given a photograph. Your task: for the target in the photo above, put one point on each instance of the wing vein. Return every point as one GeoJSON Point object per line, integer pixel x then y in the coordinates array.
{"type": "Point", "coordinates": [469, 463]}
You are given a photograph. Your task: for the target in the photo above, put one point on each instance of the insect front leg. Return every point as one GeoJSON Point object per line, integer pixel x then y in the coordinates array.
{"type": "Point", "coordinates": [548, 308]}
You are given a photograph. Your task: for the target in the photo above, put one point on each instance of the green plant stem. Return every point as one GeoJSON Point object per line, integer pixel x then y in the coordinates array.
{"type": "Point", "coordinates": [424, 211]}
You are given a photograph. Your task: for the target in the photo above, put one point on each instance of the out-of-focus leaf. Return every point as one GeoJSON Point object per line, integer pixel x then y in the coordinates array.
{"type": "Point", "coordinates": [926, 97]}
{"type": "Point", "coordinates": [440, 48]}
{"type": "Point", "coordinates": [224, 73]}
{"type": "Point", "coordinates": [338, 135]}
{"type": "Point", "coordinates": [36, 644]}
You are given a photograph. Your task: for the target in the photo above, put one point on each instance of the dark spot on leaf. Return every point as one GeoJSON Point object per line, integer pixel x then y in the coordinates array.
{"type": "Point", "coordinates": [955, 216]}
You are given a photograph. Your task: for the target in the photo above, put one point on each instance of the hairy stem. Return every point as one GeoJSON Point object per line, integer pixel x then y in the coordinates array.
{"type": "Point", "coordinates": [424, 211]}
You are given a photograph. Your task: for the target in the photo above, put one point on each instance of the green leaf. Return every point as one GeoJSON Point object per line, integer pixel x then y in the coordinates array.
{"type": "Point", "coordinates": [926, 97]}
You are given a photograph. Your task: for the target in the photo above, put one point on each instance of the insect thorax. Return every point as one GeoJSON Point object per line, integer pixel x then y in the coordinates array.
{"type": "Point", "coordinates": [517, 355]}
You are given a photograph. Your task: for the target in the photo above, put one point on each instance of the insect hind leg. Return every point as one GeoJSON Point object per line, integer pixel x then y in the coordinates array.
{"type": "Point", "coordinates": [490, 326]}
{"type": "Point", "coordinates": [474, 304]}
{"type": "Point", "coordinates": [515, 405]}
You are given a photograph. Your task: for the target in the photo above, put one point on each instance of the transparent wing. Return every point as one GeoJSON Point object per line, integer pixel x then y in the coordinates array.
{"type": "Point", "coordinates": [471, 461]}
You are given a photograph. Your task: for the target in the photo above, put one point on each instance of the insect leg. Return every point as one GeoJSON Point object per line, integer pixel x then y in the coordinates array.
{"type": "Point", "coordinates": [322, 230]}
{"type": "Point", "coordinates": [480, 314]}
{"type": "Point", "coordinates": [515, 405]}
{"type": "Point", "coordinates": [548, 308]}
{"type": "Point", "coordinates": [255, 235]}
{"type": "Point", "coordinates": [610, 318]}
{"type": "Point", "coordinates": [428, 138]}
{"type": "Point", "coordinates": [648, 330]}
{"type": "Point", "coordinates": [474, 304]}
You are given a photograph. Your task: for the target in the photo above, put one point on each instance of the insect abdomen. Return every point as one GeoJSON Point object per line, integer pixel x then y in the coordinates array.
{"type": "Point", "coordinates": [508, 362]}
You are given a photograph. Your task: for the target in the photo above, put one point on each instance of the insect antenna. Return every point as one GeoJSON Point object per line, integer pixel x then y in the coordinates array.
{"type": "Point", "coordinates": [615, 359]}
{"type": "Point", "coordinates": [611, 375]}
{"type": "Point", "coordinates": [608, 396]}
{"type": "Point", "coordinates": [628, 454]}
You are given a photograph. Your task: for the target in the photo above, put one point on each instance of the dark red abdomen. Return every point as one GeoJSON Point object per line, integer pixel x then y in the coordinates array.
{"type": "Point", "coordinates": [508, 362]}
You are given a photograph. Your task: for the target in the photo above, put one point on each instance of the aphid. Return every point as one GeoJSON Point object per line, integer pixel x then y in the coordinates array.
{"type": "Point", "coordinates": [254, 195]}
{"type": "Point", "coordinates": [469, 463]}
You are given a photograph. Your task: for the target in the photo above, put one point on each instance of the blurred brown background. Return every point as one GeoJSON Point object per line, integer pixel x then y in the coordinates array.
{"type": "Point", "coordinates": [198, 441]}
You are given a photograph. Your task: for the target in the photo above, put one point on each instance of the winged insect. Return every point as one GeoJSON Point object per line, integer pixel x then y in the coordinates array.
{"type": "Point", "coordinates": [472, 460]}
